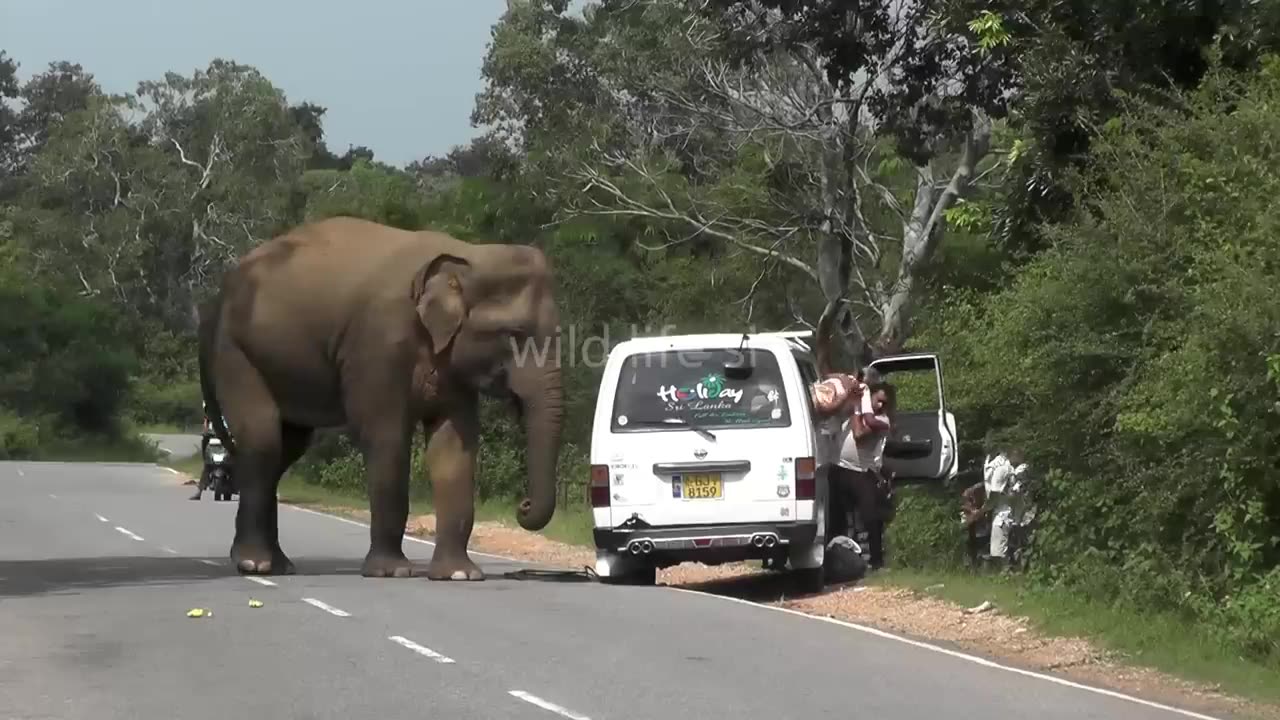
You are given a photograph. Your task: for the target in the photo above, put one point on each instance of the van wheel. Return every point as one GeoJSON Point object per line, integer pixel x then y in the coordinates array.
{"type": "Point", "coordinates": [809, 580]}
{"type": "Point", "coordinates": [644, 576]}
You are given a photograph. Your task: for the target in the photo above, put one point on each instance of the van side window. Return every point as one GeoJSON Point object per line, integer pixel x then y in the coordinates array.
{"type": "Point", "coordinates": [809, 373]}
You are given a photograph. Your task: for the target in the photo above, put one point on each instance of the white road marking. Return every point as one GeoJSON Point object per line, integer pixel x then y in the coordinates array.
{"type": "Point", "coordinates": [424, 651]}
{"type": "Point", "coordinates": [128, 533]}
{"type": "Point", "coordinates": [20, 473]}
{"type": "Point", "coordinates": [326, 607]}
{"type": "Point", "coordinates": [175, 472]}
{"type": "Point", "coordinates": [260, 581]}
{"type": "Point", "coordinates": [407, 536]}
{"type": "Point", "coordinates": [535, 700]}
{"type": "Point", "coordinates": [214, 563]}
{"type": "Point", "coordinates": [55, 497]}
{"type": "Point", "coordinates": [955, 654]}
{"type": "Point", "coordinates": [100, 518]}
{"type": "Point", "coordinates": [168, 549]}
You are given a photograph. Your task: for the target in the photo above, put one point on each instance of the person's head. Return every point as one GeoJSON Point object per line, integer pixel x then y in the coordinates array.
{"type": "Point", "coordinates": [881, 397]}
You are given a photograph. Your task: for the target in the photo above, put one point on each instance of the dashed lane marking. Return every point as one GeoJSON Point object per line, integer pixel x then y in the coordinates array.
{"type": "Point", "coordinates": [260, 581]}
{"type": "Point", "coordinates": [55, 497]}
{"type": "Point", "coordinates": [423, 651]}
{"type": "Point", "coordinates": [168, 549]}
{"type": "Point", "coordinates": [100, 518]}
{"type": "Point", "coordinates": [326, 607]}
{"type": "Point", "coordinates": [213, 563]}
{"type": "Point", "coordinates": [552, 707]}
{"type": "Point", "coordinates": [129, 533]}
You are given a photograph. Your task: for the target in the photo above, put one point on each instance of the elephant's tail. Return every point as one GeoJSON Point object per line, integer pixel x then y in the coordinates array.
{"type": "Point", "coordinates": [210, 316]}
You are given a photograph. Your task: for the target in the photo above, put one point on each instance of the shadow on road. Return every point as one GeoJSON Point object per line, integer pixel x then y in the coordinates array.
{"type": "Point", "coordinates": [73, 576]}
{"type": "Point", "coordinates": [20, 578]}
{"type": "Point", "coordinates": [768, 587]}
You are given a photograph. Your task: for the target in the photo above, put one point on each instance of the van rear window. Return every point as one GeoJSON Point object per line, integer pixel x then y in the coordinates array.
{"type": "Point", "coordinates": [678, 388]}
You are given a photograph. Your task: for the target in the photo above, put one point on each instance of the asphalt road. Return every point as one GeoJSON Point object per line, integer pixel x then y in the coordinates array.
{"type": "Point", "coordinates": [99, 565]}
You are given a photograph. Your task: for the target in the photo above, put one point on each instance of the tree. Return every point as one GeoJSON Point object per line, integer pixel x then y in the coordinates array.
{"type": "Point", "coordinates": [8, 120]}
{"type": "Point", "coordinates": [730, 132]}
{"type": "Point", "coordinates": [141, 196]}
{"type": "Point", "coordinates": [49, 98]}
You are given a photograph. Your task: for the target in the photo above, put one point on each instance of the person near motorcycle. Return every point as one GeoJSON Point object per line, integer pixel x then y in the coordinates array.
{"type": "Point", "coordinates": [206, 434]}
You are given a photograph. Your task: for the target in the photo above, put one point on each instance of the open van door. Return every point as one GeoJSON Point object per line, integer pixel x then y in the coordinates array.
{"type": "Point", "coordinates": [923, 444]}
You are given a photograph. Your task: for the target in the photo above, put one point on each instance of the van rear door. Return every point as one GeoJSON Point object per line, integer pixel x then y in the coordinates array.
{"type": "Point", "coordinates": [922, 446]}
{"type": "Point", "coordinates": [691, 444]}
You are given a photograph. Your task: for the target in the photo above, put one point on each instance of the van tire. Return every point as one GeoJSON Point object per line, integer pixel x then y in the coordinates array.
{"type": "Point", "coordinates": [644, 576]}
{"type": "Point", "coordinates": [809, 580]}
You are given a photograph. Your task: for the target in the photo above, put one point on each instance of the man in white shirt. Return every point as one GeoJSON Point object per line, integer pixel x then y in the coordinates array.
{"type": "Point", "coordinates": [856, 478]}
{"type": "Point", "coordinates": [997, 473]}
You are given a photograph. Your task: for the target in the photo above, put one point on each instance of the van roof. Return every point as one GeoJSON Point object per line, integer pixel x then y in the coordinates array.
{"type": "Point", "coordinates": [777, 341]}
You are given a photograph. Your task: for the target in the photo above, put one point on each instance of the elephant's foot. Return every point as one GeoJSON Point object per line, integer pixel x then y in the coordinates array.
{"type": "Point", "coordinates": [446, 567]}
{"type": "Point", "coordinates": [386, 564]}
{"type": "Point", "coordinates": [250, 560]}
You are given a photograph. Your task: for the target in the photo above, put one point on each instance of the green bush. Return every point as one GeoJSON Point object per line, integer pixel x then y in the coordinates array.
{"type": "Point", "coordinates": [160, 403]}
{"type": "Point", "coordinates": [925, 531]}
{"type": "Point", "coordinates": [1136, 363]}
{"type": "Point", "coordinates": [19, 438]}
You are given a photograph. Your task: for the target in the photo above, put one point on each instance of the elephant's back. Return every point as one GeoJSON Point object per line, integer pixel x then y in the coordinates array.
{"type": "Point", "coordinates": [339, 256]}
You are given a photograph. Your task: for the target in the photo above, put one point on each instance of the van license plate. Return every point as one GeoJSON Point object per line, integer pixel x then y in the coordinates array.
{"type": "Point", "coordinates": [703, 487]}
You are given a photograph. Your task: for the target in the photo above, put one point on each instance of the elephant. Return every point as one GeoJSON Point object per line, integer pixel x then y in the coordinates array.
{"type": "Point", "coordinates": [344, 322]}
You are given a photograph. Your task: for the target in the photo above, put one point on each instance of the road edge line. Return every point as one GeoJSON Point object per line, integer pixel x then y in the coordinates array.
{"type": "Point", "coordinates": [957, 654]}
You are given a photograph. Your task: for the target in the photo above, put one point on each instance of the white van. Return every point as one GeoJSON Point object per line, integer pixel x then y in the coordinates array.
{"type": "Point", "coordinates": [705, 448]}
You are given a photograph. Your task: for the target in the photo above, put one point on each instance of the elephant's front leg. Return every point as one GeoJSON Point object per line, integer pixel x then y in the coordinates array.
{"type": "Point", "coordinates": [451, 460]}
{"type": "Point", "coordinates": [386, 454]}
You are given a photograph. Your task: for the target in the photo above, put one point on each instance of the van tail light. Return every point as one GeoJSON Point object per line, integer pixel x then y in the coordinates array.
{"type": "Point", "coordinates": [806, 479]}
{"type": "Point", "coordinates": [599, 488]}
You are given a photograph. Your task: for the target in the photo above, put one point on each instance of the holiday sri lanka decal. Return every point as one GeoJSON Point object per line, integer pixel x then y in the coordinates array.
{"type": "Point", "coordinates": [710, 388]}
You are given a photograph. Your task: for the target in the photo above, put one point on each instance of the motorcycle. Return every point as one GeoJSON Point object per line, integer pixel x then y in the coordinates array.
{"type": "Point", "coordinates": [217, 472]}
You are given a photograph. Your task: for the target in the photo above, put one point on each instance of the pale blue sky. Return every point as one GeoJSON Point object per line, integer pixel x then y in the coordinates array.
{"type": "Point", "coordinates": [399, 76]}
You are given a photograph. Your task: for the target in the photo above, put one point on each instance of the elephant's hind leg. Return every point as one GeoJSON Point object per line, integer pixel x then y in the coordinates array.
{"type": "Point", "coordinates": [254, 421]}
{"type": "Point", "coordinates": [451, 461]}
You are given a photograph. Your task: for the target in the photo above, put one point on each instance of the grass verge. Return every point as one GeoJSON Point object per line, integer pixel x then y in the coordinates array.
{"type": "Point", "coordinates": [98, 449]}
{"type": "Point", "coordinates": [1161, 641]}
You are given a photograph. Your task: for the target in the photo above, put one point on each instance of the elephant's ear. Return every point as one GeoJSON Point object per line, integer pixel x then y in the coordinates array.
{"type": "Point", "coordinates": [438, 292]}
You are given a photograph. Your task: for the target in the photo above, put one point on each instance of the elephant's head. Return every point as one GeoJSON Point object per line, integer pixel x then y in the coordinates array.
{"type": "Point", "coordinates": [492, 321]}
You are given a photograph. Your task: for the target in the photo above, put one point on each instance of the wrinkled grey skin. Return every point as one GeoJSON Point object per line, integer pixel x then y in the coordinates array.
{"type": "Point", "coordinates": [345, 322]}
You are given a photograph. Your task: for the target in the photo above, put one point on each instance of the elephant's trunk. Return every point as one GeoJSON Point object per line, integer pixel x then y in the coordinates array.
{"type": "Point", "coordinates": [541, 394]}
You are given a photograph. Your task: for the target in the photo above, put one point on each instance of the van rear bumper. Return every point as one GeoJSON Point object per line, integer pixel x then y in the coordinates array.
{"type": "Point", "coordinates": [695, 538]}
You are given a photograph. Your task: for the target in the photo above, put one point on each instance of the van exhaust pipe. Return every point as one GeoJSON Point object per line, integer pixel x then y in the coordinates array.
{"type": "Point", "coordinates": [757, 540]}
{"type": "Point", "coordinates": [646, 547]}
{"type": "Point", "coordinates": [770, 541]}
